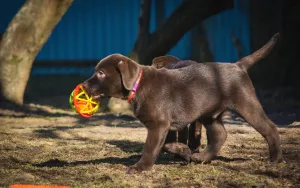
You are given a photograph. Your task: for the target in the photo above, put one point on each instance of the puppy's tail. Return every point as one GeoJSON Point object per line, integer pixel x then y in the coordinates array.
{"type": "Point", "coordinates": [246, 62]}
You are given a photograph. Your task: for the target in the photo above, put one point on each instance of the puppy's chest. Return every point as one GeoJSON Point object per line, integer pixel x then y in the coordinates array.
{"type": "Point", "coordinates": [177, 126]}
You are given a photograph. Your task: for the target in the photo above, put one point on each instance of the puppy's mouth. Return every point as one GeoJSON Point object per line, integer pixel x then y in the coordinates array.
{"type": "Point", "coordinates": [98, 97]}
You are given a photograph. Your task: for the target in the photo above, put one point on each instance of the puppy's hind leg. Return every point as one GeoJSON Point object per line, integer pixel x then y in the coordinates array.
{"type": "Point", "coordinates": [195, 135]}
{"type": "Point", "coordinates": [251, 110]}
{"type": "Point", "coordinates": [183, 135]}
{"type": "Point", "coordinates": [171, 137]}
{"type": "Point", "coordinates": [216, 136]}
{"type": "Point", "coordinates": [179, 149]}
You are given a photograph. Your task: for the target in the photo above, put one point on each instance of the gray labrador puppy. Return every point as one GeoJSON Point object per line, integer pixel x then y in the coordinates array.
{"type": "Point", "coordinates": [164, 99]}
{"type": "Point", "coordinates": [181, 143]}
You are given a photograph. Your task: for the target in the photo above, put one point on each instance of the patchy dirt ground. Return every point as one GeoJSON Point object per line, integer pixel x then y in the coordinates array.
{"type": "Point", "coordinates": [42, 144]}
{"type": "Point", "coordinates": [58, 147]}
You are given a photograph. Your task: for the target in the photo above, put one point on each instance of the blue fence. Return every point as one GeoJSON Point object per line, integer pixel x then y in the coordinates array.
{"type": "Point", "coordinates": [93, 29]}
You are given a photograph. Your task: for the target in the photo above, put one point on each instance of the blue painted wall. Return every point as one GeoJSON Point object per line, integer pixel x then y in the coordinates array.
{"type": "Point", "coordinates": [220, 28]}
{"type": "Point", "coordinates": [93, 29]}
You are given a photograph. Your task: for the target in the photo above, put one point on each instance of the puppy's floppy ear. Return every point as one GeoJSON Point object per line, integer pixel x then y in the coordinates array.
{"type": "Point", "coordinates": [129, 72]}
{"type": "Point", "coordinates": [164, 61]}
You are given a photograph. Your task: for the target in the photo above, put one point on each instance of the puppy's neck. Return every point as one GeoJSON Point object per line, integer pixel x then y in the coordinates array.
{"type": "Point", "coordinates": [135, 86]}
{"type": "Point", "coordinates": [147, 86]}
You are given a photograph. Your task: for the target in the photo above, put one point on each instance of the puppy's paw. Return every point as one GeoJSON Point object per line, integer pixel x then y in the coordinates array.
{"type": "Point", "coordinates": [276, 158]}
{"type": "Point", "coordinates": [204, 157]}
{"type": "Point", "coordinates": [180, 150]}
{"type": "Point", "coordinates": [133, 170]}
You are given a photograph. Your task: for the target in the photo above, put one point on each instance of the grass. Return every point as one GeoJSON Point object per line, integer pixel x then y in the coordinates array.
{"type": "Point", "coordinates": [48, 144]}
{"type": "Point", "coordinates": [63, 151]}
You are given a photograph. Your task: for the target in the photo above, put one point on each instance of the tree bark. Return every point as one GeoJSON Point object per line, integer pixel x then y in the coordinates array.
{"type": "Point", "coordinates": [21, 42]}
{"type": "Point", "coordinates": [236, 42]}
{"type": "Point", "coordinates": [179, 22]}
{"type": "Point", "coordinates": [160, 12]}
{"type": "Point", "coordinates": [143, 32]}
{"type": "Point", "coordinates": [200, 50]}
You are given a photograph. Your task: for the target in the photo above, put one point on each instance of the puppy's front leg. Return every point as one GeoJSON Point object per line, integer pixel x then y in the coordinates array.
{"type": "Point", "coordinates": [155, 139]}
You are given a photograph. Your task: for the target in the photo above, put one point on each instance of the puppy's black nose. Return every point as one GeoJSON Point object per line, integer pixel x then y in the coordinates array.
{"type": "Point", "coordinates": [85, 86]}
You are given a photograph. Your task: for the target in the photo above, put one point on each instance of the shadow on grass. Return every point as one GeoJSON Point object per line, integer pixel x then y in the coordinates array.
{"type": "Point", "coordinates": [111, 160]}
{"type": "Point", "coordinates": [22, 112]}
{"type": "Point", "coordinates": [109, 117]}
{"type": "Point", "coordinates": [226, 159]}
{"type": "Point", "coordinates": [134, 147]}
{"type": "Point", "coordinates": [50, 132]}
{"type": "Point", "coordinates": [46, 133]}
{"type": "Point", "coordinates": [113, 120]}
{"type": "Point", "coordinates": [283, 173]}
{"type": "Point", "coordinates": [127, 145]}
{"type": "Point", "coordinates": [127, 161]}
{"type": "Point", "coordinates": [289, 169]}
{"type": "Point", "coordinates": [124, 121]}
{"type": "Point", "coordinates": [10, 110]}
{"type": "Point", "coordinates": [162, 159]}
{"type": "Point", "coordinates": [35, 110]}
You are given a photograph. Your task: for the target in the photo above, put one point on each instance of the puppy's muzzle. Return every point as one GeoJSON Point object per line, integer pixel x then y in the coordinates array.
{"type": "Point", "coordinates": [86, 86]}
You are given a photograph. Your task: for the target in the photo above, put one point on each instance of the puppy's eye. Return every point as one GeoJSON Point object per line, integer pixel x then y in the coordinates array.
{"type": "Point", "coordinates": [100, 73]}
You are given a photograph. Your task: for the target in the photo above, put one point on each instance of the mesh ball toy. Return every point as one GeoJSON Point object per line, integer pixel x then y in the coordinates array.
{"type": "Point", "coordinates": [82, 103]}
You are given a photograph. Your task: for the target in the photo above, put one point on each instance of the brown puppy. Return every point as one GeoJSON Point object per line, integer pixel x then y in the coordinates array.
{"type": "Point", "coordinates": [164, 99]}
{"type": "Point", "coordinates": [191, 134]}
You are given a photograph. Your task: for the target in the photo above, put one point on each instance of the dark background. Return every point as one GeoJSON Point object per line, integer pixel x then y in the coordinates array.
{"type": "Point", "coordinates": [90, 28]}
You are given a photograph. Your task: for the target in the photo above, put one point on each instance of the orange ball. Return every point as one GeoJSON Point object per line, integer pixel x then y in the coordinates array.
{"type": "Point", "coordinates": [82, 103]}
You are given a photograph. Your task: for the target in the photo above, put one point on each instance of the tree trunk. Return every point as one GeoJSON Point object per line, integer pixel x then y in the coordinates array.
{"type": "Point", "coordinates": [21, 42]}
{"type": "Point", "coordinates": [160, 12]}
{"type": "Point", "coordinates": [143, 33]}
{"type": "Point", "coordinates": [200, 50]}
{"type": "Point", "coordinates": [179, 22]}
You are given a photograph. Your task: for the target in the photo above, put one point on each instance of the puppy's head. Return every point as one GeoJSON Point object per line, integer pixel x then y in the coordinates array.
{"type": "Point", "coordinates": [167, 61]}
{"type": "Point", "coordinates": [113, 76]}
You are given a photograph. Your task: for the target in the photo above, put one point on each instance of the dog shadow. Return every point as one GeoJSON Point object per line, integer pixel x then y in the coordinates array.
{"type": "Point", "coordinates": [126, 161]}
{"type": "Point", "coordinates": [123, 121]}
{"type": "Point", "coordinates": [125, 145]}
{"type": "Point", "coordinates": [163, 158]}
{"type": "Point", "coordinates": [227, 159]}
{"type": "Point", "coordinates": [28, 110]}
{"type": "Point", "coordinates": [111, 160]}
{"type": "Point", "coordinates": [113, 120]}
{"type": "Point", "coordinates": [108, 117]}
{"type": "Point", "coordinates": [128, 147]}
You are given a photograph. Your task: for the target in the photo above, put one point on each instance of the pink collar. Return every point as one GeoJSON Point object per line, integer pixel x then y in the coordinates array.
{"type": "Point", "coordinates": [135, 87]}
